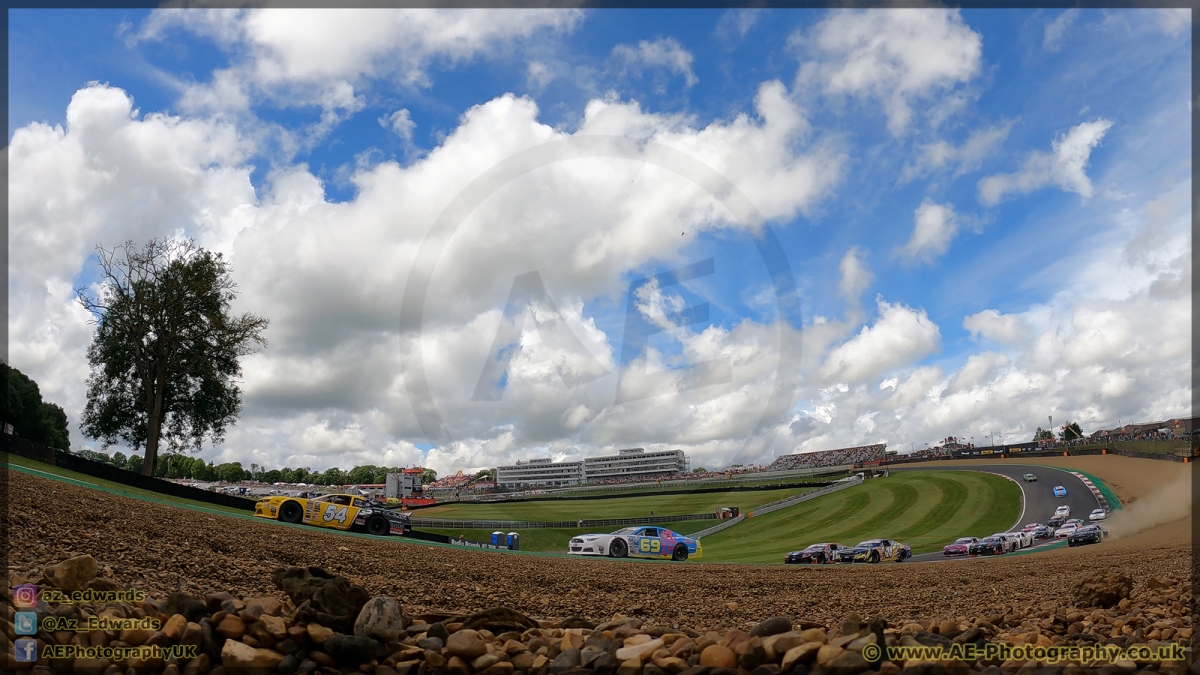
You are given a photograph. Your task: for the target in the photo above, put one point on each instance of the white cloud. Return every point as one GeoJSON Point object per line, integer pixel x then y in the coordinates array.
{"type": "Point", "coordinates": [1065, 167]}
{"type": "Point", "coordinates": [538, 74]}
{"type": "Point", "coordinates": [662, 53]}
{"type": "Point", "coordinates": [331, 385]}
{"type": "Point", "coordinates": [992, 325]}
{"type": "Point", "coordinates": [1052, 38]}
{"type": "Point", "coordinates": [735, 23]}
{"type": "Point", "coordinates": [900, 336]}
{"type": "Point", "coordinates": [897, 56]}
{"type": "Point", "coordinates": [856, 276]}
{"type": "Point", "coordinates": [1175, 20]}
{"type": "Point", "coordinates": [323, 57]}
{"type": "Point", "coordinates": [401, 123]}
{"type": "Point", "coordinates": [963, 159]}
{"type": "Point", "coordinates": [934, 226]}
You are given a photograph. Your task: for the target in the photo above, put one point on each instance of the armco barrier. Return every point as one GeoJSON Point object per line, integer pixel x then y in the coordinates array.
{"type": "Point", "coordinates": [717, 528]}
{"type": "Point", "coordinates": [781, 504]}
{"type": "Point", "coordinates": [784, 503]}
{"type": "Point", "coordinates": [553, 524]}
{"type": "Point", "coordinates": [61, 458]}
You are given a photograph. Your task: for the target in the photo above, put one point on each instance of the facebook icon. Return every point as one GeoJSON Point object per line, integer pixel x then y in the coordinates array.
{"type": "Point", "coordinates": [26, 650]}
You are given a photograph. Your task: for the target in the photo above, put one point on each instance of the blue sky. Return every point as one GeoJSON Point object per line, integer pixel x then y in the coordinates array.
{"type": "Point", "coordinates": [982, 211]}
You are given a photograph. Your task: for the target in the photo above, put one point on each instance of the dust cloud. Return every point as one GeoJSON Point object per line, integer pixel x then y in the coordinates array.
{"type": "Point", "coordinates": [1168, 503]}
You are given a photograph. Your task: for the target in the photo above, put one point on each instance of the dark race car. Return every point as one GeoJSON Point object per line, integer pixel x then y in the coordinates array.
{"type": "Point", "coordinates": [961, 546]}
{"type": "Point", "coordinates": [1056, 522]}
{"type": "Point", "coordinates": [817, 554]}
{"type": "Point", "coordinates": [1088, 534]}
{"type": "Point", "coordinates": [989, 546]}
{"type": "Point", "coordinates": [876, 550]}
{"type": "Point", "coordinates": [1042, 532]}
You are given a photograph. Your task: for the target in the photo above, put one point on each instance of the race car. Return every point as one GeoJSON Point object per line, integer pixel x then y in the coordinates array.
{"type": "Point", "coordinates": [1063, 510]}
{"type": "Point", "coordinates": [1030, 527]}
{"type": "Point", "coordinates": [1019, 539]}
{"type": "Point", "coordinates": [817, 554]}
{"type": "Point", "coordinates": [990, 546]}
{"type": "Point", "coordinates": [1030, 478]}
{"type": "Point", "coordinates": [1074, 521]}
{"type": "Point", "coordinates": [637, 542]}
{"type": "Point", "coordinates": [1060, 491]}
{"type": "Point", "coordinates": [1066, 530]}
{"type": "Point", "coordinates": [339, 512]}
{"type": "Point", "coordinates": [1088, 534]}
{"type": "Point", "coordinates": [960, 546]}
{"type": "Point", "coordinates": [1042, 532]}
{"type": "Point", "coordinates": [876, 550]}
{"type": "Point", "coordinates": [1098, 514]}
{"type": "Point", "coordinates": [1056, 521]}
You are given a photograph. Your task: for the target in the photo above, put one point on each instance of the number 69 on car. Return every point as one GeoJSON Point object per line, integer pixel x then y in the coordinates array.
{"type": "Point", "coordinates": [637, 542]}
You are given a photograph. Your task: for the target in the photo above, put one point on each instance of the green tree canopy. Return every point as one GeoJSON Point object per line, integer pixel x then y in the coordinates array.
{"type": "Point", "coordinates": [32, 418]}
{"type": "Point", "coordinates": [1071, 431]}
{"type": "Point", "coordinates": [1043, 435]}
{"type": "Point", "coordinates": [429, 476]}
{"type": "Point", "coordinates": [164, 358]}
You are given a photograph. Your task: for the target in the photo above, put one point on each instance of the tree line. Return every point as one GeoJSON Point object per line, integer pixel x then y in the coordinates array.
{"type": "Point", "coordinates": [184, 466]}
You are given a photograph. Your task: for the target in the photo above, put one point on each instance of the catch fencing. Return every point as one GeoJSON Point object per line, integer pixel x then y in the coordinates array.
{"type": "Point", "coordinates": [781, 504]}
{"type": "Point", "coordinates": [553, 524]}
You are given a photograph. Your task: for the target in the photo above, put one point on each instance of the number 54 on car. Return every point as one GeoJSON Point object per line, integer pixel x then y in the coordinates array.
{"type": "Point", "coordinates": [339, 512]}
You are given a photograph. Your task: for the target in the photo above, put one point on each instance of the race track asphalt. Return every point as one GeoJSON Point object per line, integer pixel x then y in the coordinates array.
{"type": "Point", "coordinates": [1038, 497]}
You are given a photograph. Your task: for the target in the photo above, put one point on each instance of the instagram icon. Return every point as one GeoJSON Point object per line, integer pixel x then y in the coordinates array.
{"type": "Point", "coordinates": [25, 595]}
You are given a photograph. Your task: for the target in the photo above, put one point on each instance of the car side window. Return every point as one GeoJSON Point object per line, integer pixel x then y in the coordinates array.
{"type": "Point", "coordinates": [650, 532]}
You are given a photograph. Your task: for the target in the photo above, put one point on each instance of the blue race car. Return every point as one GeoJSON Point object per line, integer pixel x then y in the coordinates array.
{"type": "Point", "coordinates": [1060, 491]}
{"type": "Point", "coordinates": [637, 542]}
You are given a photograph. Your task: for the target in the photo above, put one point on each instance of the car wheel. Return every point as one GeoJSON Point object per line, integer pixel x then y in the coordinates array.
{"type": "Point", "coordinates": [291, 512]}
{"type": "Point", "coordinates": [821, 559]}
{"type": "Point", "coordinates": [680, 553]}
{"type": "Point", "coordinates": [902, 557]}
{"type": "Point", "coordinates": [378, 526]}
{"type": "Point", "coordinates": [619, 548]}
{"type": "Point", "coordinates": [874, 556]}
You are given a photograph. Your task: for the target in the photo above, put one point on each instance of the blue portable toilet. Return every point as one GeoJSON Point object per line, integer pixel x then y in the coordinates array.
{"type": "Point", "coordinates": [498, 538]}
{"type": "Point", "coordinates": [514, 541]}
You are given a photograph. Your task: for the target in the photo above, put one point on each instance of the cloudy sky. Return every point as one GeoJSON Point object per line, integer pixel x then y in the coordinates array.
{"type": "Point", "coordinates": [483, 236]}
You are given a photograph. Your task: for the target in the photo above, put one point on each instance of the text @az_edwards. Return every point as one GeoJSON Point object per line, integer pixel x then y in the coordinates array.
{"type": "Point", "coordinates": [1085, 654]}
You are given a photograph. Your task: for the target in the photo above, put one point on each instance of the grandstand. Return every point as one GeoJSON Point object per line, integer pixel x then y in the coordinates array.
{"type": "Point", "coordinates": [824, 458]}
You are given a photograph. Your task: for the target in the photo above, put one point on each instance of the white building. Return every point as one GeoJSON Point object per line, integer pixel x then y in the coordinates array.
{"type": "Point", "coordinates": [632, 463]}
{"type": "Point", "coordinates": [540, 472]}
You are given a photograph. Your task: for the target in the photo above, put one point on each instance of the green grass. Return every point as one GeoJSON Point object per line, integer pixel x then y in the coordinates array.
{"type": "Point", "coordinates": [619, 507]}
{"type": "Point", "coordinates": [555, 540]}
{"type": "Point", "coordinates": [40, 468]}
{"type": "Point", "coordinates": [925, 509]}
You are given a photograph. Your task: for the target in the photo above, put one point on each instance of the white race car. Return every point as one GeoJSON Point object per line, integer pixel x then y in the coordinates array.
{"type": "Point", "coordinates": [1065, 531]}
{"type": "Point", "coordinates": [1064, 511]}
{"type": "Point", "coordinates": [637, 542]}
{"type": "Point", "coordinates": [1019, 540]}
{"type": "Point", "coordinates": [1098, 514]}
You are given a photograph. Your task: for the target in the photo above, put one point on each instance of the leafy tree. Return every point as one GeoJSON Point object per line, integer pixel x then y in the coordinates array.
{"type": "Point", "coordinates": [1043, 435]}
{"type": "Point", "coordinates": [362, 474]}
{"type": "Point", "coordinates": [134, 463]}
{"type": "Point", "coordinates": [334, 476]}
{"type": "Point", "coordinates": [429, 476]}
{"type": "Point", "coordinates": [232, 472]}
{"type": "Point", "coordinates": [1071, 431]}
{"type": "Point", "coordinates": [119, 459]}
{"type": "Point", "coordinates": [485, 474]}
{"type": "Point", "coordinates": [699, 469]}
{"type": "Point", "coordinates": [164, 358]}
{"type": "Point", "coordinates": [272, 476]}
{"type": "Point", "coordinates": [31, 417]}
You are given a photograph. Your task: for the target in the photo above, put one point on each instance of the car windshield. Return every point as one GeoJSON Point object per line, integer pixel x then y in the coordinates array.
{"type": "Point", "coordinates": [625, 530]}
{"type": "Point", "coordinates": [964, 540]}
{"type": "Point", "coordinates": [816, 547]}
{"type": "Point", "coordinates": [868, 543]}
{"type": "Point", "coordinates": [992, 540]}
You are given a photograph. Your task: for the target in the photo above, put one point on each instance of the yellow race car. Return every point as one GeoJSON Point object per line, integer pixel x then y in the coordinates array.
{"type": "Point", "coordinates": [340, 512]}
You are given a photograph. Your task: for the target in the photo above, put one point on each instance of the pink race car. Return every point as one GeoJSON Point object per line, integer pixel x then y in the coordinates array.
{"type": "Point", "coordinates": [960, 546]}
